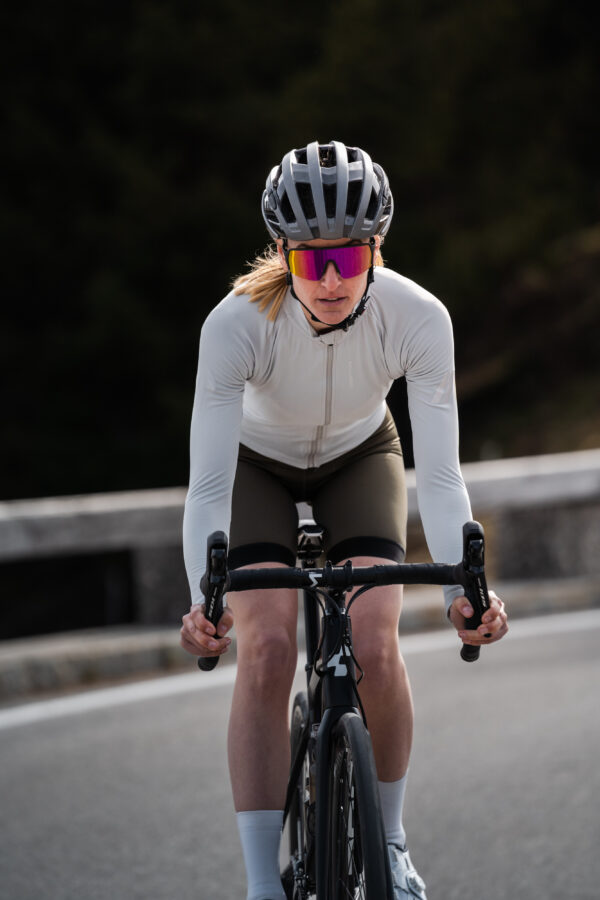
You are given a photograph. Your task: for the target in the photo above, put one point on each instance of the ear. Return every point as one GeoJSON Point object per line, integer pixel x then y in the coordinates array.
{"type": "Point", "coordinates": [281, 254]}
{"type": "Point", "coordinates": [283, 262]}
{"type": "Point", "coordinates": [377, 255]}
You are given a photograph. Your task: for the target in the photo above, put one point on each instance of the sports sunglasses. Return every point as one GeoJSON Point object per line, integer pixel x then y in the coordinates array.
{"type": "Point", "coordinates": [311, 262]}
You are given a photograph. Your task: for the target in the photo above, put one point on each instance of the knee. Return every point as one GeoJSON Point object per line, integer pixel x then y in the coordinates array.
{"type": "Point", "coordinates": [378, 655]}
{"type": "Point", "coordinates": [268, 659]}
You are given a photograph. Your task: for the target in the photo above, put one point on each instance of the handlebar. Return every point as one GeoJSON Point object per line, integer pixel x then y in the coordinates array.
{"type": "Point", "coordinates": [217, 580]}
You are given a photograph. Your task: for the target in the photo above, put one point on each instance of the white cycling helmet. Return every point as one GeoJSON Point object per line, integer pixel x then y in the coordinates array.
{"type": "Point", "coordinates": [327, 191]}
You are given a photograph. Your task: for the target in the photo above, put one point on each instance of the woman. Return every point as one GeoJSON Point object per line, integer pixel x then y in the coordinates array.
{"type": "Point", "coordinates": [295, 365]}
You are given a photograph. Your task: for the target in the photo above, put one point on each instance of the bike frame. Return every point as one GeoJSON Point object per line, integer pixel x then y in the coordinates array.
{"type": "Point", "coordinates": [331, 691]}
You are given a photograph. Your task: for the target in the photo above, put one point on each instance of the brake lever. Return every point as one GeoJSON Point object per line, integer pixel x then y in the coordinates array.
{"type": "Point", "coordinates": [475, 586]}
{"type": "Point", "coordinates": [212, 586]}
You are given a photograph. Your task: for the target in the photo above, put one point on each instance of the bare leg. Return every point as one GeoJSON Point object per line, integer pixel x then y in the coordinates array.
{"type": "Point", "coordinates": [258, 741]}
{"type": "Point", "coordinates": [385, 689]}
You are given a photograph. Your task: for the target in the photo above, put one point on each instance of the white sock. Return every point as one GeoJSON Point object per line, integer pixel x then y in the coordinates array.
{"type": "Point", "coordinates": [260, 834]}
{"type": "Point", "coordinates": [391, 794]}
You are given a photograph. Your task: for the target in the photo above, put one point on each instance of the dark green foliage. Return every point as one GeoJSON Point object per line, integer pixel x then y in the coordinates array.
{"type": "Point", "coordinates": [137, 138]}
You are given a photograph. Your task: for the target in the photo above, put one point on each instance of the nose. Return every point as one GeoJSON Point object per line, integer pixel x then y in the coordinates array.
{"type": "Point", "coordinates": [331, 277]}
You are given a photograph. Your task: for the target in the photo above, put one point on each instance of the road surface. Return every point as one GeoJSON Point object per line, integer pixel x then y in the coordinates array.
{"type": "Point", "coordinates": [123, 793]}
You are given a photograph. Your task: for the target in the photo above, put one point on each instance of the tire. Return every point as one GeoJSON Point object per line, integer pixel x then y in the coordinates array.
{"type": "Point", "coordinates": [359, 865]}
{"type": "Point", "coordinates": [301, 814]}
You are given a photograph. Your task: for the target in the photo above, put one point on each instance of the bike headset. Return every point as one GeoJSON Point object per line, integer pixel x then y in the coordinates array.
{"type": "Point", "coordinates": [328, 191]}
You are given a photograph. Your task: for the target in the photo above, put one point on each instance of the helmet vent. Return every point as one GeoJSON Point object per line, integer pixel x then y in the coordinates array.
{"type": "Point", "coordinates": [372, 207]}
{"type": "Point", "coordinates": [306, 199]}
{"type": "Point", "coordinates": [286, 209]}
{"type": "Point", "coordinates": [327, 156]}
{"type": "Point", "coordinates": [354, 193]}
{"type": "Point", "coordinates": [330, 195]}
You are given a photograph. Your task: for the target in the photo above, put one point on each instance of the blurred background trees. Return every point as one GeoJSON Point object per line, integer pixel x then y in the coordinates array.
{"type": "Point", "coordinates": [136, 141]}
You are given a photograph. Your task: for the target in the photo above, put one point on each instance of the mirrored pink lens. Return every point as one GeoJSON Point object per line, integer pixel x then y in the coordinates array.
{"type": "Point", "coordinates": [311, 263]}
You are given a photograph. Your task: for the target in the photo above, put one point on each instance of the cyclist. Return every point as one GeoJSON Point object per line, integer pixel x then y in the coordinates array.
{"type": "Point", "coordinates": [294, 368]}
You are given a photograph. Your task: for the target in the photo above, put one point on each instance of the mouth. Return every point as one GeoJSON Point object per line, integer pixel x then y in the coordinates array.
{"type": "Point", "coordinates": [332, 300]}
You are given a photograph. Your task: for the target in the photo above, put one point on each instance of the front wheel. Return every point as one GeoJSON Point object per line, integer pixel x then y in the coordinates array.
{"type": "Point", "coordinates": [298, 876]}
{"type": "Point", "coordinates": [359, 865]}
{"type": "Point", "coordinates": [297, 814]}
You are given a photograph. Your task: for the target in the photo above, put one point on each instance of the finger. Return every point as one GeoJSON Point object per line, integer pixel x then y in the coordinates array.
{"type": "Point", "coordinates": [225, 622]}
{"type": "Point", "coordinates": [461, 605]}
{"type": "Point", "coordinates": [198, 636]}
{"type": "Point", "coordinates": [191, 646]}
{"type": "Point", "coordinates": [490, 623]}
{"type": "Point", "coordinates": [496, 604]}
{"type": "Point", "coordinates": [496, 615]}
{"type": "Point", "coordinates": [197, 617]}
{"type": "Point", "coordinates": [459, 611]}
{"type": "Point", "coordinates": [198, 625]}
{"type": "Point", "coordinates": [204, 646]}
{"type": "Point", "coordinates": [192, 642]}
{"type": "Point", "coordinates": [485, 634]}
{"type": "Point", "coordinates": [468, 636]}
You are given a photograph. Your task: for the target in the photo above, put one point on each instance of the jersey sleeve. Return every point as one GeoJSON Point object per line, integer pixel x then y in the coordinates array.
{"type": "Point", "coordinates": [441, 492]}
{"type": "Point", "coordinates": [224, 366]}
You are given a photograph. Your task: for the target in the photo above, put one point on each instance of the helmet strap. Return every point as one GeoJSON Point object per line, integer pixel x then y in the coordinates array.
{"type": "Point", "coordinates": [349, 320]}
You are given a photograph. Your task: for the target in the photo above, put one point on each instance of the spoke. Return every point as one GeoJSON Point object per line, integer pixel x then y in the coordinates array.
{"type": "Point", "coordinates": [351, 877]}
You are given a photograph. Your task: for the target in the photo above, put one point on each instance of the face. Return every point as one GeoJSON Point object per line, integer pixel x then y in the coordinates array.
{"type": "Point", "coordinates": [332, 298]}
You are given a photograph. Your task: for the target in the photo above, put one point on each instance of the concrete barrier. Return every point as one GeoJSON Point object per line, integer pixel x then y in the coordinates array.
{"type": "Point", "coordinates": [128, 519]}
{"type": "Point", "coordinates": [541, 514]}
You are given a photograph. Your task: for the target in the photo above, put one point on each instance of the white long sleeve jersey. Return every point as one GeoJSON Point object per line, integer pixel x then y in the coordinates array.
{"type": "Point", "coordinates": [305, 398]}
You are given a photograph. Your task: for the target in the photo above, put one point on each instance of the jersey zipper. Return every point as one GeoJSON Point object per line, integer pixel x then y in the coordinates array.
{"type": "Point", "coordinates": [316, 444]}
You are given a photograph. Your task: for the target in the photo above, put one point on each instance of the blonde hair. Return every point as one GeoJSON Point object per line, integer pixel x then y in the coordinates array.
{"type": "Point", "coordinates": [266, 282]}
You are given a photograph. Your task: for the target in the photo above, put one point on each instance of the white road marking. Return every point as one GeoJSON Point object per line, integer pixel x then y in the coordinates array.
{"type": "Point", "coordinates": [165, 686]}
{"type": "Point", "coordinates": [171, 685]}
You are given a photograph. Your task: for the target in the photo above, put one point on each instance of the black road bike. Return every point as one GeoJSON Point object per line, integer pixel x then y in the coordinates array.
{"type": "Point", "coordinates": [337, 844]}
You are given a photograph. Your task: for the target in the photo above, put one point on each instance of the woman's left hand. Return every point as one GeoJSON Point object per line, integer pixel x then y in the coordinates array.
{"type": "Point", "coordinates": [494, 623]}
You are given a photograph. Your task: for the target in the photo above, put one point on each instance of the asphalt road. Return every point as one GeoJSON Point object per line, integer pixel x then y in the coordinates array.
{"type": "Point", "coordinates": [123, 793]}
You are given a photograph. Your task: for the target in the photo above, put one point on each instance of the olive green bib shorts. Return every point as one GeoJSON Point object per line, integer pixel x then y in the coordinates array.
{"type": "Point", "coordinates": [358, 498]}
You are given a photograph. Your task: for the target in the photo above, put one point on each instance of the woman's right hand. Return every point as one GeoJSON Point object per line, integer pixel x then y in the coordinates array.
{"type": "Point", "coordinates": [199, 636]}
